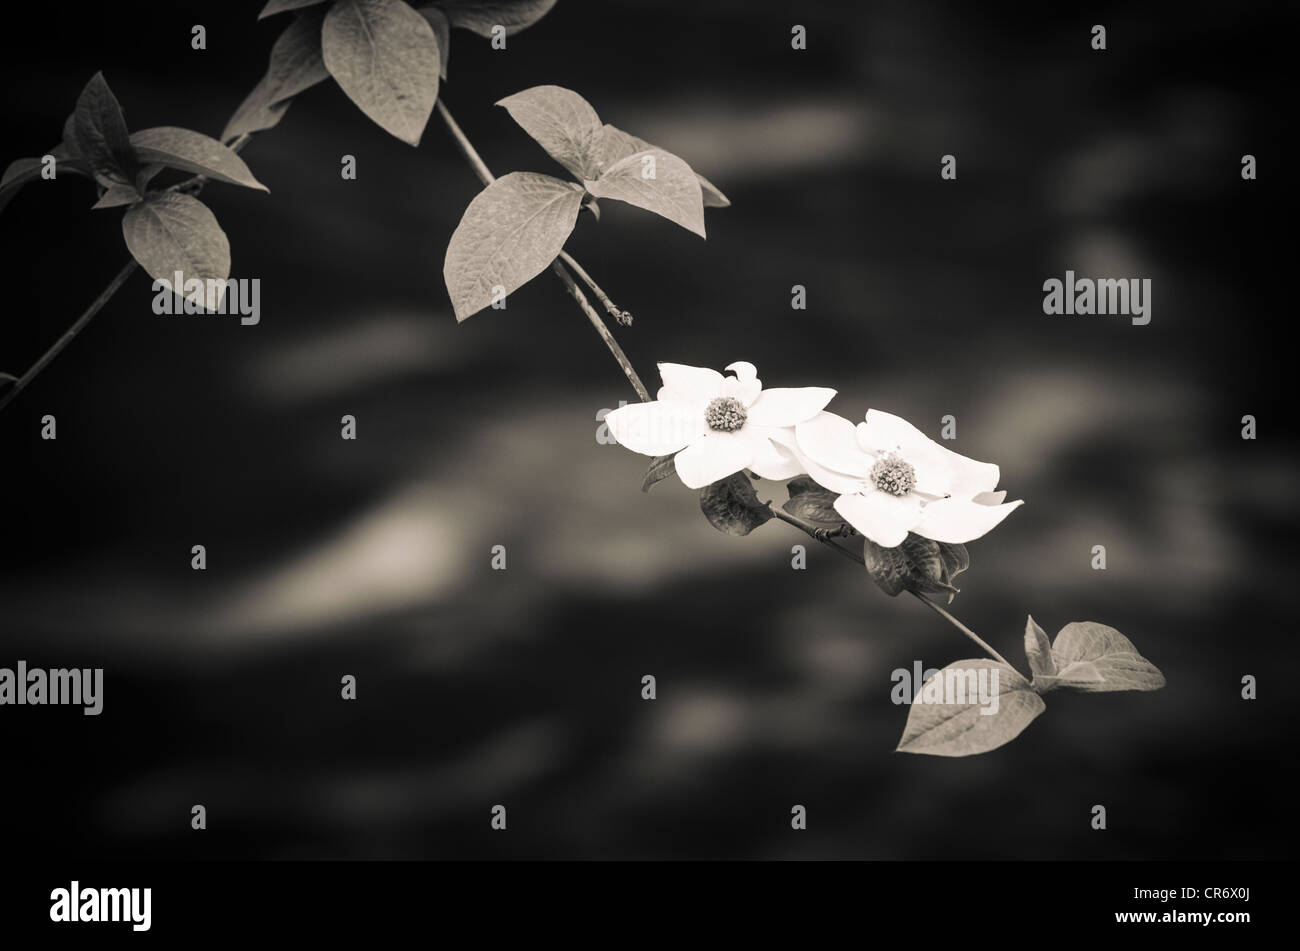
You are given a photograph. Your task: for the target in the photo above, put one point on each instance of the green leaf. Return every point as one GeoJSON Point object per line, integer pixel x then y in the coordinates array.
{"type": "Point", "coordinates": [616, 145]}
{"type": "Point", "coordinates": [479, 16]}
{"type": "Point", "coordinates": [661, 467]}
{"type": "Point", "coordinates": [192, 151]}
{"type": "Point", "coordinates": [442, 30]}
{"type": "Point", "coordinates": [1038, 649]}
{"type": "Point", "coordinates": [731, 505]}
{"type": "Point", "coordinates": [296, 64]}
{"type": "Point", "coordinates": [915, 565]}
{"type": "Point", "coordinates": [510, 233]}
{"type": "Point", "coordinates": [385, 57]}
{"type": "Point", "coordinates": [811, 502]}
{"type": "Point", "coordinates": [99, 130]}
{"type": "Point", "coordinates": [964, 729]}
{"type": "Point", "coordinates": [563, 123]}
{"type": "Point", "coordinates": [657, 181]}
{"type": "Point", "coordinates": [281, 6]}
{"type": "Point", "coordinates": [117, 195]}
{"type": "Point", "coordinates": [1112, 656]}
{"type": "Point", "coordinates": [170, 232]}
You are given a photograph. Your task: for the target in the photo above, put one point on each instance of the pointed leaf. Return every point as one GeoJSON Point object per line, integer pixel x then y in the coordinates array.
{"type": "Point", "coordinates": [510, 233]}
{"type": "Point", "coordinates": [616, 144]}
{"type": "Point", "coordinates": [966, 728]}
{"type": "Point", "coordinates": [442, 30]}
{"type": "Point", "coordinates": [956, 559]}
{"type": "Point", "coordinates": [562, 122]}
{"type": "Point", "coordinates": [661, 467]}
{"type": "Point", "coordinates": [479, 16]}
{"type": "Point", "coordinates": [731, 505]}
{"type": "Point", "coordinates": [170, 232]}
{"type": "Point", "coordinates": [385, 57]}
{"type": "Point", "coordinates": [117, 195]}
{"type": "Point", "coordinates": [100, 132]}
{"type": "Point", "coordinates": [281, 6]}
{"type": "Point", "coordinates": [811, 502]}
{"type": "Point", "coordinates": [1038, 649]}
{"type": "Point", "coordinates": [657, 181]}
{"type": "Point", "coordinates": [296, 64]}
{"type": "Point", "coordinates": [1113, 655]}
{"type": "Point", "coordinates": [914, 565]}
{"type": "Point", "coordinates": [195, 152]}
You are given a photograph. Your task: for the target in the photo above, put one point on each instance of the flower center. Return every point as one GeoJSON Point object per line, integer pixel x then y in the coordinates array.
{"type": "Point", "coordinates": [725, 414]}
{"type": "Point", "coordinates": [891, 474]}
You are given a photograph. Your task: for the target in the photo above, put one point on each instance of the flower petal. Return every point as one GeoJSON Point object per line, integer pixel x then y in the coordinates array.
{"type": "Point", "coordinates": [990, 498]}
{"type": "Point", "coordinates": [830, 441]}
{"type": "Point", "coordinates": [745, 385]}
{"type": "Point", "coordinates": [689, 384]}
{"type": "Point", "coordinates": [961, 520]}
{"type": "Point", "coordinates": [770, 460]}
{"type": "Point", "coordinates": [827, 478]}
{"type": "Point", "coordinates": [655, 429]}
{"type": "Point", "coordinates": [885, 519]}
{"type": "Point", "coordinates": [712, 457]}
{"type": "Point", "coordinates": [787, 406]}
{"type": "Point", "coordinates": [939, 470]}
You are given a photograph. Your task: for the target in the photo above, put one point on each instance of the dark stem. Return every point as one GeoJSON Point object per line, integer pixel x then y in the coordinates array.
{"type": "Point", "coordinates": [191, 186]}
{"type": "Point", "coordinates": [825, 538]}
{"type": "Point", "coordinates": [46, 358]}
{"type": "Point", "coordinates": [558, 266]}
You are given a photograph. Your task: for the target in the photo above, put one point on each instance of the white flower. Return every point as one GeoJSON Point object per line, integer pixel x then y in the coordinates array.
{"type": "Point", "coordinates": [718, 425]}
{"type": "Point", "coordinates": [893, 479]}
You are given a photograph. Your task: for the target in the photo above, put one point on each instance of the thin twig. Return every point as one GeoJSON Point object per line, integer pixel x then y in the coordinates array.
{"type": "Point", "coordinates": [104, 297]}
{"type": "Point", "coordinates": [576, 293]}
{"type": "Point", "coordinates": [824, 536]}
{"type": "Point", "coordinates": [191, 186]}
{"type": "Point", "coordinates": [618, 313]}
{"type": "Point", "coordinates": [961, 627]}
{"type": "Point", "coordinates": [487, 178]}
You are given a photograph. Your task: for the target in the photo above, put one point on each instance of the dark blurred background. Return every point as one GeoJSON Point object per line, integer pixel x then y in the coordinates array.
{"type": "Point", "coordinates": [522, 687]}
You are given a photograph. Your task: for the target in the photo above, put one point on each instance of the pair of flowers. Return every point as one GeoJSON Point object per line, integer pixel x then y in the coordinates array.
{"type": "Point", "coordinates": [891, 479]}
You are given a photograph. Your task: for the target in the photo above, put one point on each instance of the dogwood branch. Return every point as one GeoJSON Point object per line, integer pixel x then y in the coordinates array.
{"type": "Point", "coordinates": [487, 178]}
{"type": "Point", "coordinates": [191, 186]}
{"type": "Point", "coordinates": [823, 536]}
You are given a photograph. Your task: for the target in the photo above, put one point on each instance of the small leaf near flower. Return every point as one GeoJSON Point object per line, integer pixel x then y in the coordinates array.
{"type": "Point", "coordinates": [661, 467]}
{"type": "Point", "coordinates": [731, 505]}
{"type": "Point", "coordinates": [915, 565]}
{"type": "Point", "coordinates": [809, 501]}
